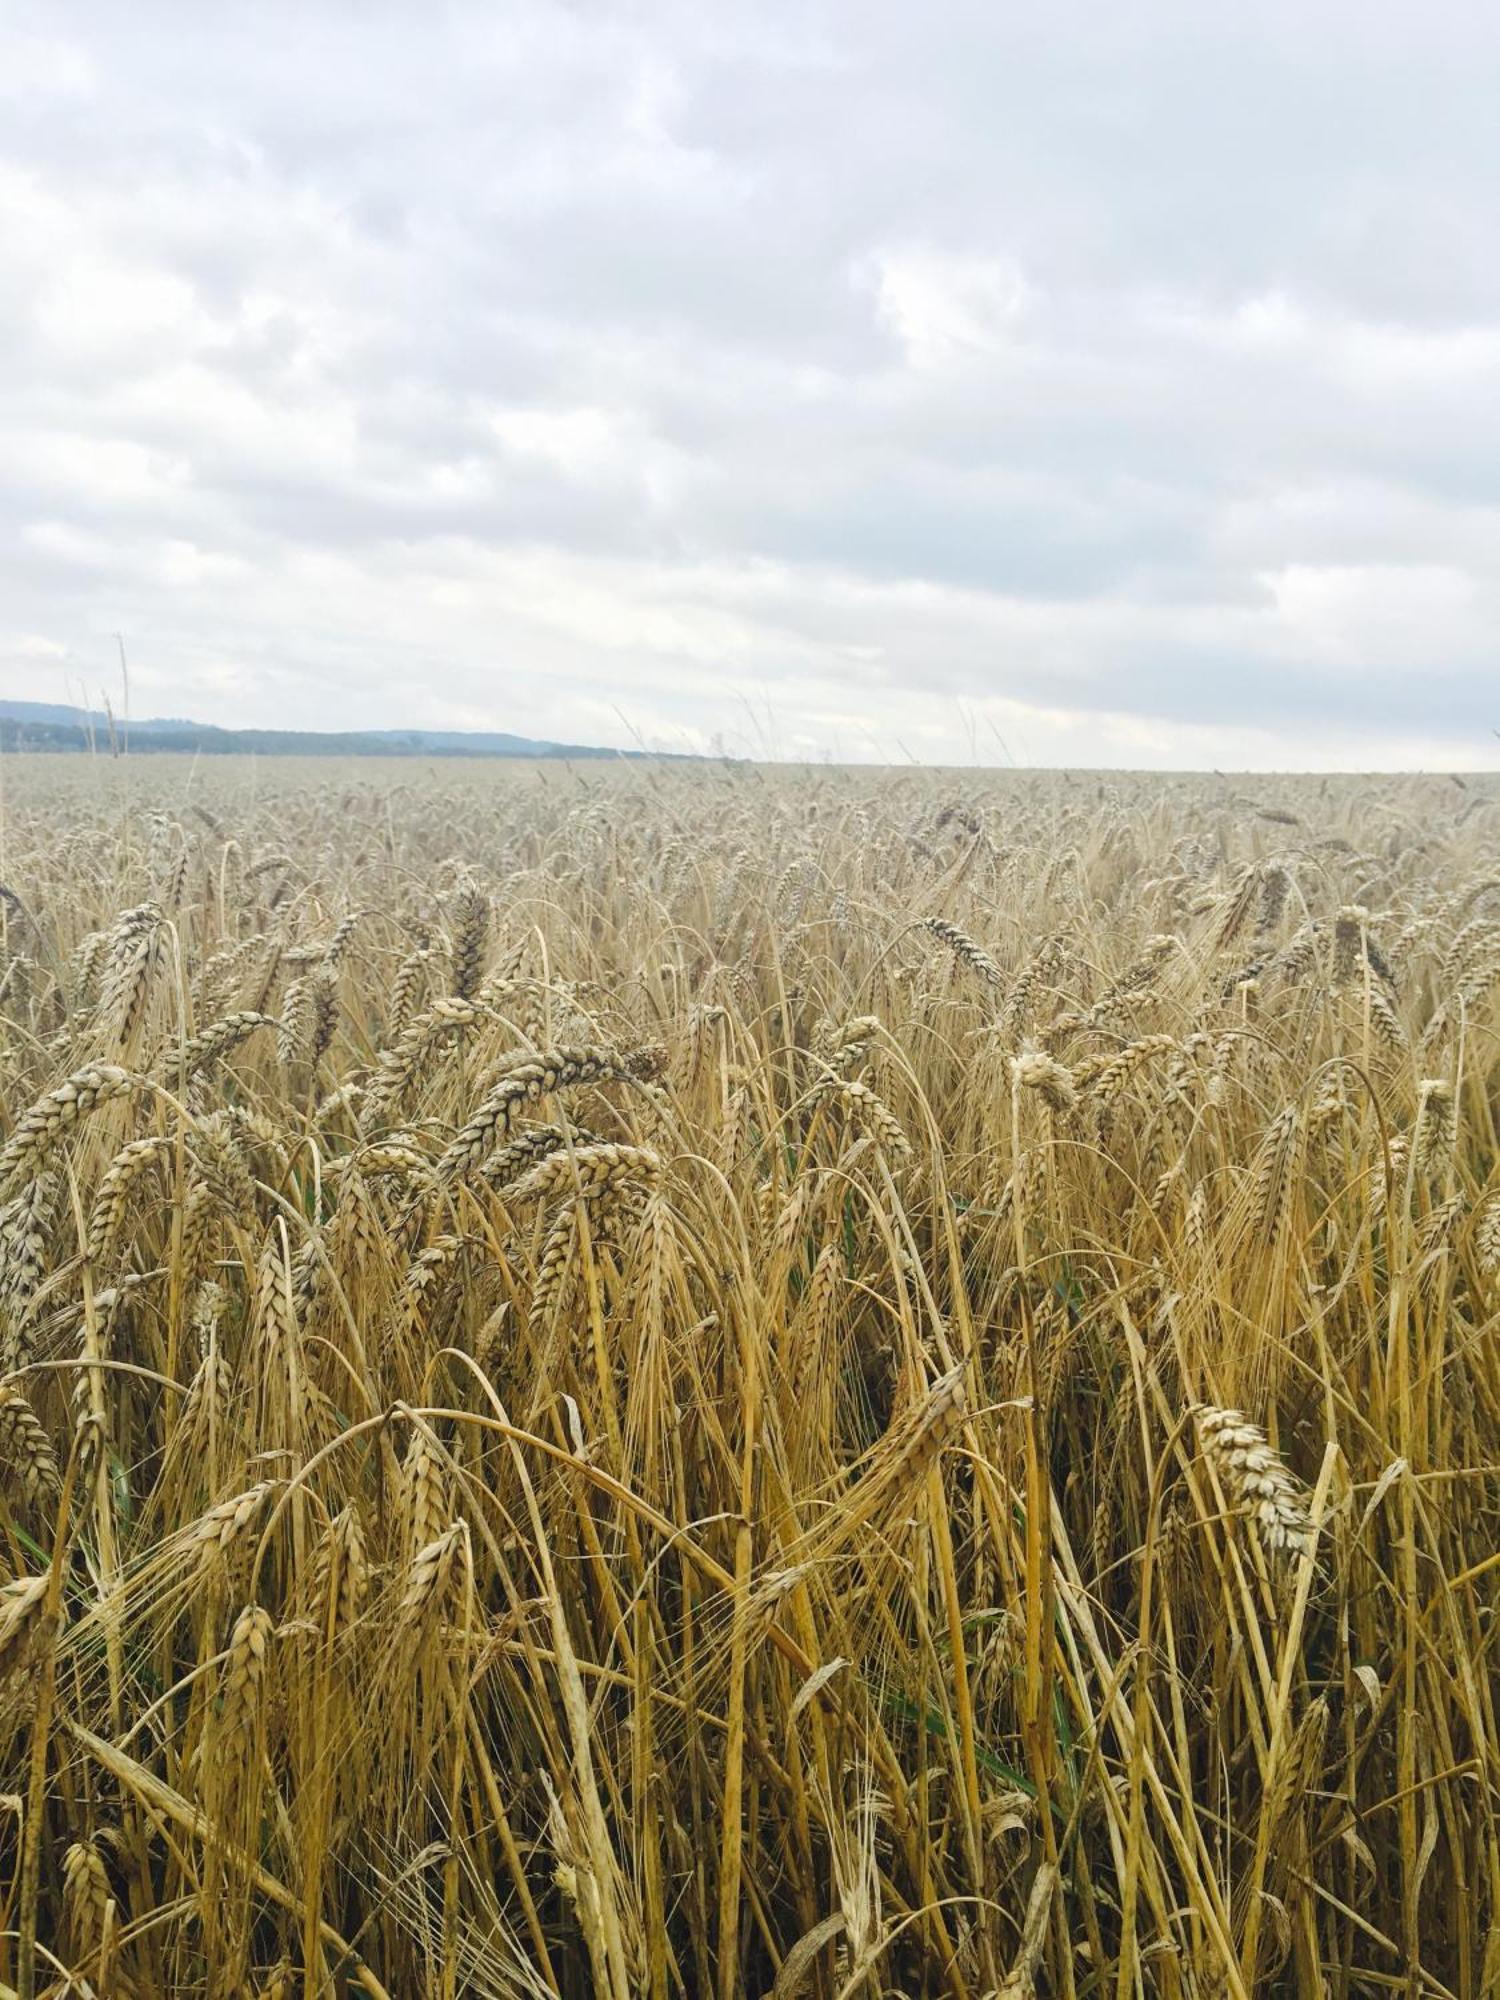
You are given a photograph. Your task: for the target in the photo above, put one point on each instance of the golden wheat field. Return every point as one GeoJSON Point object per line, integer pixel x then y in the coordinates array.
{"type": "Point", "coordinates": [700, 1380]}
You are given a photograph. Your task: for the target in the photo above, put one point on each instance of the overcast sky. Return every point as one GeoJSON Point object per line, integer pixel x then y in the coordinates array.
{"type": "Point", "coordinates": [1058, 384]}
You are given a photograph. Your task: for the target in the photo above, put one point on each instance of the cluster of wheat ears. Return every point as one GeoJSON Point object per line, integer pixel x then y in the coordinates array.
{"type": "Point", "coordinates": [689, 1380]}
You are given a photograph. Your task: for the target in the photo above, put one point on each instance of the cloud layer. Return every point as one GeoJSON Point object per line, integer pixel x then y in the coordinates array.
{"type": "Point", "coordinates": [852, 380]}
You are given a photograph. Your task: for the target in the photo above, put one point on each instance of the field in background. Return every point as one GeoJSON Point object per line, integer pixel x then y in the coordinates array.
{"type": "Point", "coordinates": [627, 1381]}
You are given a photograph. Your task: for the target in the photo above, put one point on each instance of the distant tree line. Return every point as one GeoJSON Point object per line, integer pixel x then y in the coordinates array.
{"type": "Point", "coordinates": [205, 739]}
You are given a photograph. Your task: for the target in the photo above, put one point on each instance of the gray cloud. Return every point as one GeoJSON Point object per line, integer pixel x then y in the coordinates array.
{"type": "Point", "coordinates": [1115, 389]}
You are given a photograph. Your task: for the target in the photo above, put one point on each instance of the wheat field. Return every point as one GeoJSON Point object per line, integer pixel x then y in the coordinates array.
{"type": "Point", "coordinates": [692, 1379]}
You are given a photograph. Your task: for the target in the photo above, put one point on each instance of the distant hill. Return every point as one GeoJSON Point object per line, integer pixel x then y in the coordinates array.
{"type": "Point", "coordinates": [42, 726]}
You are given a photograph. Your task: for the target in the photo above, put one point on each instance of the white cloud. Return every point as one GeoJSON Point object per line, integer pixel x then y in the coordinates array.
{"type": "Point", "coordinates": [942, 306]}
{"type": "Point", "coordinates": [31, 646]}
{"type": "Point", "coordinates": [1364, 617]}
{"type": "Point", "coordinates": [38, 66]}
{"type": "Point", "coordinates": [1114, 390]}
